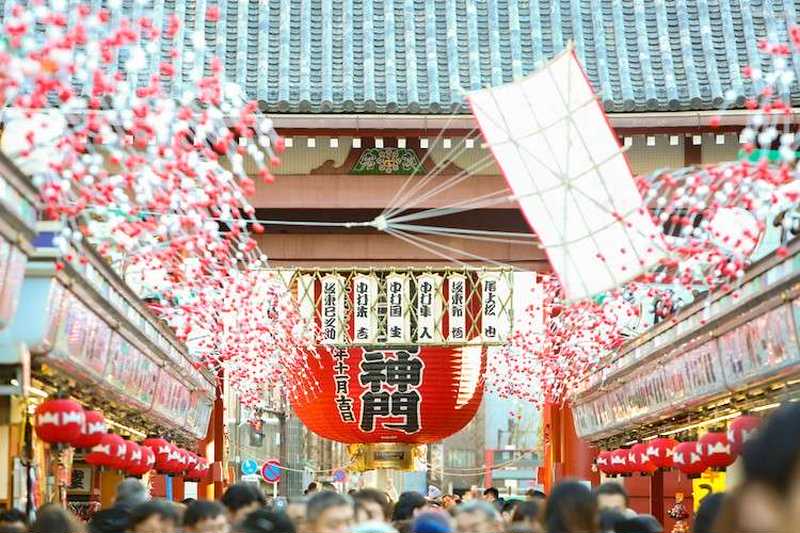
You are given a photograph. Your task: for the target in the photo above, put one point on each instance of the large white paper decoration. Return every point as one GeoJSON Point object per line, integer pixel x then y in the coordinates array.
{"type": "Point", "coordinates": [563, 162]}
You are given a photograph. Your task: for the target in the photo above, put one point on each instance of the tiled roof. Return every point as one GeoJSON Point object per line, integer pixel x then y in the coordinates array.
{"type": "Point", "coordinates": [419, 56]}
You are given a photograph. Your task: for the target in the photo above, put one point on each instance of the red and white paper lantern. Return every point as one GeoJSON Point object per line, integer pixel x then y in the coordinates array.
{"type": "Point", "coordinates": [59, 421]}
{"type": "Point", "coordinates": [688, 458]}
{"type": "Point", "coordinates": [660, 451]}
{"type": "Point", "coordinates": [740, 430]}
{"type": "Point", "coordinates": [716, 450]}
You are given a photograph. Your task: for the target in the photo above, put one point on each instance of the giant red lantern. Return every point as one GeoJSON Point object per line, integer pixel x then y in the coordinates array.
{"type": "Point", "coordinates": [106, 452]}
{"type": "Point", "coordinates": [639, 460]}
{"type": "Point", "coordinates": [94, 427]}
{"type": "Point", "coordinates": [716, 450]}
{"type": "Point", "coordinates": [688, 459]}
{"type": "Point", "coordinates": [390, 399]}
{"type": "Point", "coordinates": [59, 421]}
{"type": "Point", "coordinates": [410, 396]}
{"type": "Point", "coordinates": [660, 451]}
{"type": "Point", "coordinates": [740, 430]}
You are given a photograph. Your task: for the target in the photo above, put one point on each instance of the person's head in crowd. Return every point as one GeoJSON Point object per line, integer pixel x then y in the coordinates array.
{"type": "Point", "coordinates": [643, 523]}
{"type": "Point", "coordinates": [266, 521]}
{"type": "Point", "coordinates": [242, 499]}
{"type": "Point", "coordinates": [374, 503]}
{"type": "Point", "coordinates": [608, 520]}
{"type": "Point", "coordinates": [571, 508]}
{"type": "Point", "coordinates": [296, 511]}
{"type": "Point", "coordinates": [528, 514]}
{"type": "Point", "coordinates": [535, 495]}
{"type": "Point", "coordinates": [205, 517]}
{"type": "Point", "coordinates": [374, 527]}
{"type": "Point", "coordinates": [130, 493]}
{"type": "Point", "coordinates": [188, 501]}
{"type": "Point", "coordinates": [408, 505]}
{"type": "Point", "coordinates": [52, 518]}
{"type": "Point", "coordinates": [448, 501]}
{"type": "Point", "coordinates": [13, 529]}
{"type": "Point", "coordinates": [772, 467]}
{"type": "Point", "coordinates": [351, 492]}
{"type": "Point", "coordinates": [707, 513]}
{"type": "Point", "coordinates": [154, 516]}
{"type": "Point", "coordinates": [311, 489]}
{"type": "Point", "coordinates": [329, 512]}
{"type": "Point", "coordinates": [507, 512]}
{"type": "Point", "coordinates": [432, 522]}
{"type": "Point", "coordinates": [476, 516]}
{"type": "Point", "coordinates": [612, 495]}
{"type": "Point", "coordinates": [491, 495]}
{"type": "Point", "coordinates": [327, 485]}
{"type": "Point", "coordinates": [13, 519]}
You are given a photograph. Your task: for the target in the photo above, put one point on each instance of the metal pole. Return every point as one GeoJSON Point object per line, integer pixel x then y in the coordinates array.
{"type": "Point", "coordinates": [283, 453]}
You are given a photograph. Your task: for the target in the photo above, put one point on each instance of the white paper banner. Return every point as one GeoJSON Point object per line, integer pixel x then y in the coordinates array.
{"type": "Point", "coordinates": [429, 309]}
{"type": "Point", "coordinates": [398, 330]}
{"type": "Point", "coordinates": [365, 317]}
{"type": "Point", "coordinates": [332, 309]}
{"type": "Point", "coordinates": [456, 307]}
{"type": "Point", "coordinates": [494, 301]}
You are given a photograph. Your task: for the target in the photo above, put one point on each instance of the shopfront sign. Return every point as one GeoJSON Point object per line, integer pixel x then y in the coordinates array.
{"type": "Point", "coordinates": [401, 307]}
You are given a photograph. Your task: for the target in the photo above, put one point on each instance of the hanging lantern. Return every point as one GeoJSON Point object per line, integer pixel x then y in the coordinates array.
{"type": "Point", "coordinates": [619, 462]}
{"type": "Point", "coordinates": [161, 449]}
{"type": "Point", "coordinates": [104, 453]}
{"type": "Point", "coordinates": [191, 461]}
{"type": "Point", "coordinates": [716, 450]}
{"type": "Point", "coordinates": [94, 427]}
{"type": "Point", "coordinates": [59, 421]}
{"type": "Point", "coordinates": [660, 451]}
{"type": "Point", "coordinates": [183, 462]}
{"type": "Point", "coordinates": [142, 462]}
{"type": "Point", "coordinates": [640, 461]}
{"type": "Point", "coordinates": [604, 462]}
{"type": "Point", "coordinates": [385, 401]}
{"type": "Point", "coordinates": [200, 470]}
{"type": "Point", "coordinates": [688, 459]}
{"type": "Point", "coordinates": [133, 456]}
{"type": "Point", "coordinates": [740, 430]}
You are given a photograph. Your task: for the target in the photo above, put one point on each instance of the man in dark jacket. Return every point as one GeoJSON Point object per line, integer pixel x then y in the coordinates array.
{"type": "Point", "coordinates": [130, 493]}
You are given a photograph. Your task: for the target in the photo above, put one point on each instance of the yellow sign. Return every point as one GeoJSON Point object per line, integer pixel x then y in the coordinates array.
{"type": "Point", "coordinates": [708, 483]}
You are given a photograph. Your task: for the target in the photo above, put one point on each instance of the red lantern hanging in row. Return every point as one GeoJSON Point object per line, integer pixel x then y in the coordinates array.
{"type": "Point", "coordinates": [59, 421]}
{"type": "Point", "coordinates": [161, 448]}
{"type": "Point", "coordinates": [660, 451]}
{"type": "Point", "coordinates": [94, 427]}
{"type": "Point", "coordinates": [199, 471]}
{"type": "Point", "coordinates": [145, 463]}
{"type": "Point", "coordinates": [688, 459]}
{"type": "Point", "coordinates": [639, 460]}
{"type": "Point", "coordinates": [106, 453]}
{"type": "Point", "coordinates": [741, 430]}
{"type": "Point", "coordinates": [715, 450]}
{"type": "Point", "coordinates": [604, 462]}
{"type": "Point", "coordinates": [619, 462]}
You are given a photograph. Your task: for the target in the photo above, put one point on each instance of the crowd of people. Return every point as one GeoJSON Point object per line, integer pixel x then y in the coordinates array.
{"type": "Point", "coordinates": [767, 501]}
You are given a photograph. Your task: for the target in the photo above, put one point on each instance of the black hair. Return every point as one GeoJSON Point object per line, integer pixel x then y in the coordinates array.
{"type": "Point", "coordinates": [166, 510]}
{"type": "Point", "coordinates": [266, 521]}
{"type": "Point", "coordinates": [406, 505]}
{"type": "Point", "coordinates": [202, 510]}
{"type": "Point", "coordinates": [707, 512]}
{"type": "Point", "coordinates": [322, 501]}
{"type": "Point", "coordinates": [376, 496]}
{"type": "Point", "coordinates": [639, 524]}
{"type": "Point", "coordinates": [611, 488]}
{"type": "Point", "coordinates": [771, 457]}
{"type": "Point", "coordinates": [571, 508]}
{"type": "Point", "coordinates": [535, 493]}
{"type": "Point", "coordinates": [13, 529]}
{"type": "Point", "coordinates": [13, 515]}
{"type": "Point", "coordinates": [241, 495]}
{"type": "Point", "coordinates": [510, 505]}
{"type": "Point", "coordinates": [51, 518]}
{"type": "Point", "coordinates": [188, 501]}
{"type": "Point", "coordinates": [493, 491]}
{"type": "Point", "coordinates": [527, 511]}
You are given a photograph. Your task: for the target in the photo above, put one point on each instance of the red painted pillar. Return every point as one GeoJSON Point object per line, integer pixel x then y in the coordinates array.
{"type": "Point", "coordinates": [489, 465]}
{"type": "Point", "coordinates": [218, 418]}
{"type": "Point", "coordinates": [565, 455]}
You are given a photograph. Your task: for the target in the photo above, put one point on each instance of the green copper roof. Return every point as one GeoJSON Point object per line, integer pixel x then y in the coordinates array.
{"type": "Point", "coordinates": [420, 56]}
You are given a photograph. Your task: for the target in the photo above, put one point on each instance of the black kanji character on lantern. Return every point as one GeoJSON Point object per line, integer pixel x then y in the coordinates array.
{"type": "Point", "coordinates": [345, 408]}
{"type": "Point", "coordinates": [373, 404]}
{"type": "Point", "coordinates": [404, 372]}
{"type": "Point", "coordinates": [341, 385]}
{"type": "Point", "coordinates": [373, 371]}
{"type": "Point", "coordinates": [406, 405]}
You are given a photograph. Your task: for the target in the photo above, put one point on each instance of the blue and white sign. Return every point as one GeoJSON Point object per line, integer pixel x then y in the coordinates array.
{"type": "Point", "coordinates": [249, 467]}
